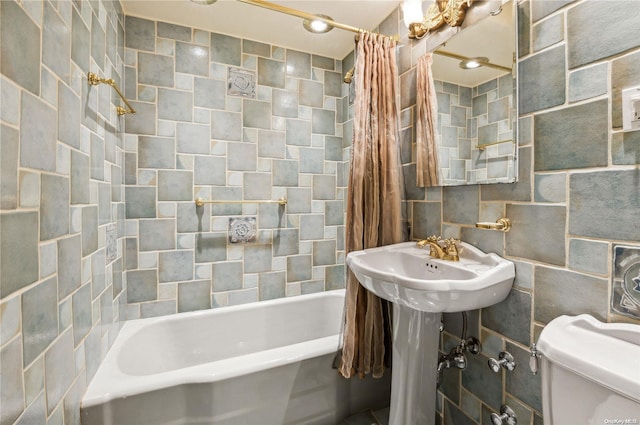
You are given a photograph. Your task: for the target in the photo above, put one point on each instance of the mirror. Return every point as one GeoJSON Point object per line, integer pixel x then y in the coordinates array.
{"type": "Point", "coordinates": [477, 116]}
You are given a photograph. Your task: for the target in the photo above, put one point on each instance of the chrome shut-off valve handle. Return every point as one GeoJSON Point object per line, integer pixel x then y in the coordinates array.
{"type": "Point", "coordinates": [506, 361]}
{"type": "Point", "coordinates": [507, 416]}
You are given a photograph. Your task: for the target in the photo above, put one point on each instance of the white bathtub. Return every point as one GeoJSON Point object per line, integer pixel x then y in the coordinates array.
{"type": "Point", "coordinates": [266, 363]}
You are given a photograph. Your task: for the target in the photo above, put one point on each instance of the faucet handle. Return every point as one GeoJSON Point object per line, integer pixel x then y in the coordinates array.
{"type": "Point", "coordinates": [506, 361]}
{"type": "Point", "coordinates": [453, 248]}
{"type": "Point", "coordinates": [452, 241]}
{"type": "Point", "coordinates": [430, 239]}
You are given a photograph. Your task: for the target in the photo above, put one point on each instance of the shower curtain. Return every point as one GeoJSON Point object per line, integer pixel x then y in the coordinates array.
{"type": "Point", "coordinates": [374, 213]}
{"type": "Point", "coordinates": [426, 121]}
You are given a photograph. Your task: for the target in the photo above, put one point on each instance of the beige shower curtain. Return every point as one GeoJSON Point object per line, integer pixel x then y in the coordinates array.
{"type": "Point", "coordinates": [426, 121]}
{"type": "Point", "coordinates": [374, 216]}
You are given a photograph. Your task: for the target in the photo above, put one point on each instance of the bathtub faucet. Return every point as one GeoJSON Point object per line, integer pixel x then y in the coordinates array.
{"type": "Point", "coordinates": [443, 249]}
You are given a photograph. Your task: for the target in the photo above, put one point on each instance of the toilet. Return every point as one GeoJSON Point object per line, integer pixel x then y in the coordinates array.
{"type": "Point", "coordinates": [590, 372]}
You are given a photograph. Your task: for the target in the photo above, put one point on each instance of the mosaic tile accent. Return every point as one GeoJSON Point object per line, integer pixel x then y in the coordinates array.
{"type": "Point", "coordinates": [242, 229]}
{"type": "Point", "coordinates": [625, 289]}
{"type": "Point", "coordinates": [241, 83]}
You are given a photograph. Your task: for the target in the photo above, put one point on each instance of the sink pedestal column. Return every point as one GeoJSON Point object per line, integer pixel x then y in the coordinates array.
{"type": "Point", "coordinates": [415, 361]}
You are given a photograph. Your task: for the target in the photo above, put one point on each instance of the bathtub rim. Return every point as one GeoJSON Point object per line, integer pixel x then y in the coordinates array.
{"type": "Point", "coordinates": [110, 382]}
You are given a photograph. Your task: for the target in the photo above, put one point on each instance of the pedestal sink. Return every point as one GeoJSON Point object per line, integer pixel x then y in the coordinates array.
{"type": "Point", "coordinates": [420, 288]}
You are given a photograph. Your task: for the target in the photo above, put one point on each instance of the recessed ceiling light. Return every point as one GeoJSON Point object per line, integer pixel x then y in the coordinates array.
{"type": "Point", "coordinates": [496, 12]}
{"type": "Point", "coordinates": [204, 2]}
{"type": "Point", "coordinates": [317, 26]}
{"type": "Point", "coordinates": [473, 63]}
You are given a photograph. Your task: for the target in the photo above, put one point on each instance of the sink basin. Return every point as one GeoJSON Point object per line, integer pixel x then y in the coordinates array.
{"type": "Point", "coordinates": [405, 274]}
{"type": "Point", "coordinates": [420, 288]}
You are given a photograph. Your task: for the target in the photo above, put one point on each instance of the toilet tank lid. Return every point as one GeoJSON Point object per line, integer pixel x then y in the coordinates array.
{"type": "Point", "coordinates": [608, 353]}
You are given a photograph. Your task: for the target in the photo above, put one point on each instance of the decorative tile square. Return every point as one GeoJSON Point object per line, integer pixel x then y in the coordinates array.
{"type": "Point", "coordinates": [242, 229]}
{"type": "Point", "coordinates": [241, 83]}
{"type": "Point", "coordinates": [625, 294]}
{"type": "Point", "coordinates": [112, 249]}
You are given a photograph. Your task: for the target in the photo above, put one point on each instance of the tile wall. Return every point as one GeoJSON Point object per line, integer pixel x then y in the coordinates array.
{"type": "Point", "coordinates": [575, 200]}
{"type": "Point", "coordinates": [225, 118]}
{"type": "Point", "coordinates": [62, 289]}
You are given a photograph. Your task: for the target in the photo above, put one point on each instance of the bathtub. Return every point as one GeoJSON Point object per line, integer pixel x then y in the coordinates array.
{"type": "Point", "coordinates": [266, 363]}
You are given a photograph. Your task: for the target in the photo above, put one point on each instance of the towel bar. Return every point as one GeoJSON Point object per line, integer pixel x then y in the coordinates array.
{"type": "Point", "coordinates": [200, 202]}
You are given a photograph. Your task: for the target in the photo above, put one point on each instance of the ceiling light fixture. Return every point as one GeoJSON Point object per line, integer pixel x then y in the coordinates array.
{"type": "Point", "coordinates": [496, 12]}
{"type": "Point", "coordinates": [450, 12]}
{"type": "Point", "coordinates": [473, 63]}
{"type": "Point", "coordinates": [204, 2]}
{"type": "Point", "coordinates": [318, 26]}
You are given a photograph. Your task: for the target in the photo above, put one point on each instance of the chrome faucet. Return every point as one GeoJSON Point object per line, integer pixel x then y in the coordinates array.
{"type": "Point", "coordinates": [443, 249]}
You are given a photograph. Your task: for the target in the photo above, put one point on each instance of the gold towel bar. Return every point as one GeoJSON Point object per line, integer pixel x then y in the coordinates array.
{"type": "Point", "coordinates": [486, 145]}
{"type": "Point", "coordinates": [502, 224]}
{"type": "Point", "coordinates": [200, 202]}
{"type": "Point", "coordinates": [94, 80]}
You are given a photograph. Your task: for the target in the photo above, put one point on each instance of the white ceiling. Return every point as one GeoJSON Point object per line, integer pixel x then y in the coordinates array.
{"type": "Point", "coordinates": [255, 23]}
{"type": "Point", "coordinates": [493, 37]}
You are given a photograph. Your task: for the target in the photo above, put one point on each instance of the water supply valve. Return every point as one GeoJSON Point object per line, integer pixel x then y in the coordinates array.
{"type": "Point", "coordinates": [631, 109]}
{"type": "Point", "coordinates": [456, 356]}
{"type": "Point", "coordinates": [506, 361]}
{"type": "Point", "coordinates": [473, 345]}
{"type": "Point", "coordinates": [507, 415]}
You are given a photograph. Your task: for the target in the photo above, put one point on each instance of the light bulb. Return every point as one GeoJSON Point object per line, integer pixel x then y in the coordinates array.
{"type": "Point", "coordinates": [319, 26]}
{"type": "Point", "coordinates": [473, 63]}
{"type": "Point", "coordinates": [412, 11]}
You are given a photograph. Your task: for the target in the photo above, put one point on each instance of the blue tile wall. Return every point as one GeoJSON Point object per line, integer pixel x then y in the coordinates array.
{"type": "Point", "coordinates": [61, 300]}
{"type": "Point", "coordinates": [214, 141]}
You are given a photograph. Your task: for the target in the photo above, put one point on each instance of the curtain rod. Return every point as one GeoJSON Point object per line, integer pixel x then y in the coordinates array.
{"type": "Point", "coordinates": [460, 57]}
{"type": "Point", "coordinates": [304, 15]}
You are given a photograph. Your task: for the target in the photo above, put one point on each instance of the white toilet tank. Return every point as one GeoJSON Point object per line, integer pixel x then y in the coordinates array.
{"type": "Point", "coordinates": [590, 372]}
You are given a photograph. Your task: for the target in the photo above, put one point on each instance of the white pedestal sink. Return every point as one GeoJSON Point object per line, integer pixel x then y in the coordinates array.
{"type": "Point", "coordinates": [420, 288]}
